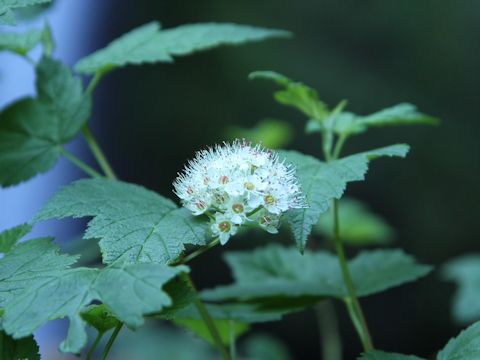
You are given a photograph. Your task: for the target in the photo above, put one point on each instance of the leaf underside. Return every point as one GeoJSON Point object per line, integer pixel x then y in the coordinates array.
{"type": "Point", "coordinates": [7, 7]}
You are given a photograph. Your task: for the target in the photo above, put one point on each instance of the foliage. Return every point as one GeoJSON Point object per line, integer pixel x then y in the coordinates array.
{"type": "Point", "coordinates": [323, 182]}
{"type": "Point", "coordinates": [149, 44]}
{"type": "Point", "coordinates": [275, 271]}
{"type": "Point", "coordinates": [360, 227]}
{"type": "Point", "coordinates": [465, 272]}
{"type": "Point", "coordinates": [146, 239]}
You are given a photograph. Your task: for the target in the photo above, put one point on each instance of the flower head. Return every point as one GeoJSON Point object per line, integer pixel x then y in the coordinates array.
{"type": "Point", "coordinates": [236, 183]}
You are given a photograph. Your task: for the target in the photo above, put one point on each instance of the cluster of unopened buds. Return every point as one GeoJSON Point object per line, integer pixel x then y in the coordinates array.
{"type": "Point", "coordinates": [238, 184]}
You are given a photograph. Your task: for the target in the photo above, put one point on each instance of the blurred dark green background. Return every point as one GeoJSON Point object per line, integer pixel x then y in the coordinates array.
{"type": "Point", "coordinates": [151, 119]}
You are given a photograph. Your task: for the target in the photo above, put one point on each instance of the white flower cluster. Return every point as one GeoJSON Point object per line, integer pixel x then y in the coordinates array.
{"type": "Point", "coordinates": [237, 184]}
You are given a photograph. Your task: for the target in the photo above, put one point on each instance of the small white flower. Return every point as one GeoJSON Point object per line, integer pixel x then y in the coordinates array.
{"type": "Point", "coordinates": [236, 183]}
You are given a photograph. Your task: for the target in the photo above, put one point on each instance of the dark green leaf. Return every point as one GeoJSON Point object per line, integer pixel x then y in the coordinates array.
{"type": "Point", "coordinates": [133, 223]}
{"type": "Point", "coordinates": [359, 226]}
{"type": "Point", "coordinates": [465, 272]}
{"type": "Point", "coordinates": [381, 355]}
{"type": "Point", "coordinates": [322, 182]}
{"type": "Point", "coordinates": [295, 94]}
{"type": "Point", "coordinates": [18, 349]}
{"type": "Point", "coordinates": [276, 271]}
{"type": "Point", "coordinates": [9, 237]}
{"type": "Point", "coordinates": [32, 131]}
{"type": "Point", "coordinates": [149, 44]}
{"type": "Point", "coordinates": [38, 285]}
{"type": "Point", "coordinates": [271, 133]}
{"type": "Point", "coordinates": [466, 346]}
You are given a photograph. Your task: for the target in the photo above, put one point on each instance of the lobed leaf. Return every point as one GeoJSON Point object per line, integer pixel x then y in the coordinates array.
{"type": "Point", "coordinates": [466, 346]}
{"type": "Point", "coordinates": [8, 6]}
{"type": "Point", "coordinates": [296, 94]}
{"type": "Point", "coordinates": [465, 272]}
{"type": "Point", "coordinates": [9, 237]}
{"type": "Point", "coordinates": [18, 349]}
{"type": "Point", "coordinates": [275, 271]}
{"type": "Point", "coordinates": [133, 224]}
{"type": "Point", "coordinates": [38, 285]}
{"type": "Point", "coordinates": [32, 131]}
{"type": "Point", "coordinates": [322, 182]}
{"type": "Point", "coordinates": [360, 226]}
{"type": "Point", "coordinates": [149, 44]}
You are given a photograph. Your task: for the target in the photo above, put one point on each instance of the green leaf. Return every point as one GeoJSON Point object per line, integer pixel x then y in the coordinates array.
{"type": "Point", "coordinates": [132, 223]}
{"type": "Point", "coordinates": [38, 285]}
{"type": "Point", "coordinates": [7, 6]}
{"type": "Point", "coordinates": [465, 272]}
{"type": "Point", "coordinates": [199, 328]}
{"type": "Point", "coordinates": [100, 317]}
{"type": "Point", "coordinates": [360, 227]}
{"type": "Point", "coordinates": [295, 94]}
{"type": "Point", "coordinates": [22, 43]}
{"type": "Point", "coordinates": [9, 237]}
{"type": "Point", "coordinates": [271, 133]}
{"type": "Point", "coordinates": [322, 182]}
{"type": "Point", "coordinates": [382, 355]}
{"type": "Point", "coordinates": [346, 123]}
{"type": "Point", "coordinates": [21, 349]}
{"type": "Point", "coordinates": [275, 271]}
{"type": "Point", "coordinates": [466, 346]}
{"type": "Point", "coordinates": [149, 44]}
{"type": "Point", "coordinates": [32, 131]}
{"type": "Point", "coordinates": [265, 347]}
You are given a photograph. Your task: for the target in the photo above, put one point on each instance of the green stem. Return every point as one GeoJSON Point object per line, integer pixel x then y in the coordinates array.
{"type": "Point", "coordinates": [111, 341]}
{"type": "Point", "coordinates": [80, 164]}
{"type": "Point", "coordinates": [197, 252]}
{"type": "Point", "coordinates": [98, 153]}
{"type": "Point", "coordinates": [233, 345]}
{"type": "Point", "coordinates": [94, 82]}
{"type": "Point", "coordinates": [339, 145]}
{"type": "Point", "coordinates": [207, 319]}
{"type": "Point", "coordinates": [94, 345]}
{"type": "Point", "coordinates": [353, 305]}
{"type": "Point", "coordinates": [329, 332]}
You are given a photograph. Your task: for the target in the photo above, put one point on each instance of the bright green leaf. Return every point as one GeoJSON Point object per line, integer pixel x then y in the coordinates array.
{"type": "Point", "coordinates": [360, 226]}
{"type": "Point", "coordinates": [466, 346]}
{"type": "Point", "coordinates": [100, 317]}
{"type": "Point", "coordinates": [20, 349]}
{"type": "Point", "coordinates": [132, 223]}
{"type": "Point", "coordinates": [275, 271]}
{"type": "Point", "coordinates": [465, 272]}
{"type": "Point", "coordinates": [224, 328]}
{"type": "Point", "coordinates": [149, 44]}
{"type": "Point", "coordinates": [271, 133]}
{"type": "Point", "coordinates": [322, 182]}
{"type": "Point", "coordinates": [9, 237]}
{"type": "Point", "coordinates": [38, 285]}
{"type": "Point", "coordinates": [382, 355]}
{"type": "Point", "coordinates": [32, 131]}
{"type": "Point", "coordinates": [295, 94]}
{"type": "Point", "coordinates": [8, 6]}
